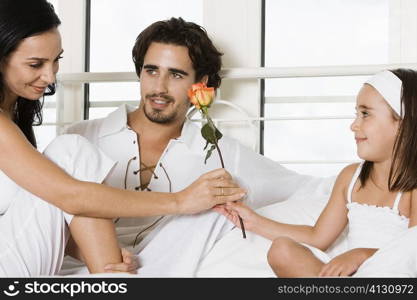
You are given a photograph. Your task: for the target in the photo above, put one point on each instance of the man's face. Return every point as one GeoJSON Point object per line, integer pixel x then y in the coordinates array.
{"type": "Point", "coordinates": [166, 76]}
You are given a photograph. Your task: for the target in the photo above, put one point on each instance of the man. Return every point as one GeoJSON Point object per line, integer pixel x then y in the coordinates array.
{"type": "Point", "coordinates": [158, 149]}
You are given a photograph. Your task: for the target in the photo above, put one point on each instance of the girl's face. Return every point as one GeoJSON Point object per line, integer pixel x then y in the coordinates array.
{"type": "Point", "coordinates": [375, 127]}
{"type": "Point", "coordinates": [32, 66]}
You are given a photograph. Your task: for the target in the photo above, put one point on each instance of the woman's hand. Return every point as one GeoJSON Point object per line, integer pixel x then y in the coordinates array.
{"type": "Point", "coordinates": [210, 189]}
{"type": "Point", "coordinates": [130, 264]}
{"type": "Point", "coordinates": [232, 211]}
{"type": "Point", "coordinates": [346, 263]}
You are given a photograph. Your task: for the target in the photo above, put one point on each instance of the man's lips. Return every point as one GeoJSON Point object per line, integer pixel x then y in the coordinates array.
{"type": "Point", "coordinates": [159, 102]}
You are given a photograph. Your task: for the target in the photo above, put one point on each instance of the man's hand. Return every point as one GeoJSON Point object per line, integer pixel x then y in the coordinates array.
{"type": "Point", "coordinates": [210, 189]}
{"type": "Point", "coordinates": [130, 264]}
{"type": "Point", "coordinates": [346, 263]}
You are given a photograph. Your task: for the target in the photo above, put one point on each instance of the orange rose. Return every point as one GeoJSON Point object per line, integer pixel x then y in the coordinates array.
{"type": "Point", "coordinates": [200, 95]}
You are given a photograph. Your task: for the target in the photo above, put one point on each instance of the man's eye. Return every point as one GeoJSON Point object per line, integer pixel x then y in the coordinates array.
{"type": "Point", "coordinates": [177, 75]}
{"type": "Point", "coordinates": [151, 71]}
{"type": "Point", "coordinates": [364, 113]}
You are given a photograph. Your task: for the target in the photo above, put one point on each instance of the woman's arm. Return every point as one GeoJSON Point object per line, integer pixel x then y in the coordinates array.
{"type": "Point", "coordinates": [329, 225]}
{"type": "Point", "coordinates": [35, 173]}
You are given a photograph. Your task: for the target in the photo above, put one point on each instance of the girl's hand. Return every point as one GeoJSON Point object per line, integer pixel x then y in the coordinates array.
{"type": "Point", "coordinates": [130, 264]}
{"type": "Point", "coordinates": [346, 263]}
{"type": "Point", "coordinates": [232, 211]}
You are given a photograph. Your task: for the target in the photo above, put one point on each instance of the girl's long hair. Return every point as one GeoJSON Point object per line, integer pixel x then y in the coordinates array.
{"type": "Point", "coordinates": [20, 19]}
{"type": "Point", "coordinates": [403, 170]}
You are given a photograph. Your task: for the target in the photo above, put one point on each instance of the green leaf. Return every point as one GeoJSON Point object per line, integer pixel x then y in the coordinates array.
{"type": "Point", "coordinates": [205, 147]}
{"type": "Point", "coordinates": [218, 134]}
{"type": "Point", "coordinates": [209, 153]}
{"type": "Point", "coordinates": [210, 133]}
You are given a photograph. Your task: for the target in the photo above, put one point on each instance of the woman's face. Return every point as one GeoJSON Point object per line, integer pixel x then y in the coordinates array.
{"type": "Point", "coordinates": [32, 66]}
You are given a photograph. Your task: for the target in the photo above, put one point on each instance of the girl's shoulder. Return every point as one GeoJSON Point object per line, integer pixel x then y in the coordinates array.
{"type": "Point", "coordinates": [345, 176]}
{"type": "Point", "coordinates": [348, 171]}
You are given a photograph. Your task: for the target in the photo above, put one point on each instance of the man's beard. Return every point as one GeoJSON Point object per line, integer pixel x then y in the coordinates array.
{"type": "Point", "coordinates": [158, 116]}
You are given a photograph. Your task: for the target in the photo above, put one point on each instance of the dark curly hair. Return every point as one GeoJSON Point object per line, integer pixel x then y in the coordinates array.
{"type": "Point", "coordinates": [20, 19]}
{"type": "Point", "coordinates": [205, 57]}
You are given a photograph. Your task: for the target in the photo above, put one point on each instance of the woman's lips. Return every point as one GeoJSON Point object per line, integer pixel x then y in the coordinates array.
{"type": "Point", "coordinates": [39, 89]}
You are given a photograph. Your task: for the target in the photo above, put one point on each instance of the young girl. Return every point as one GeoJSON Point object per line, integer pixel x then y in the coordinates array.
{"type": "Point", "coordinates": [35, 190]}
{"type": "Point", "coordinates": [376, 198]}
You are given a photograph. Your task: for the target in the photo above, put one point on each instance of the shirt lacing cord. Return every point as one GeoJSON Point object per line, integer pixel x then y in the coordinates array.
{"type": "Point", "coordinates": [146, 168]}
{"type": "Point", "coordinates": [136, 241]}
{"type": "Point", "coordinates": [125, 180]}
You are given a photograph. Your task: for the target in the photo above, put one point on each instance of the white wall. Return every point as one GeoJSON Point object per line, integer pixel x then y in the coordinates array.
{"type": "Point", "coordinates": [235, 27]}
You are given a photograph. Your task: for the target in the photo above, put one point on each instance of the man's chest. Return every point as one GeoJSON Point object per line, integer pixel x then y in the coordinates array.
{"type": "Point", "coordinates": [175, 166]}
{"type": "Point", "coordinates": [149, 156]}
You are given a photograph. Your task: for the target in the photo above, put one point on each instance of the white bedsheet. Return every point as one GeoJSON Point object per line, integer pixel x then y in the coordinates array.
{"type": "Point", "coordinates": [233, 256]}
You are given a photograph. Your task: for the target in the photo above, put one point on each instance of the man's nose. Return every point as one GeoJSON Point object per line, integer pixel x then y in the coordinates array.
{"type": "Point", "coordinates": [161, 85]}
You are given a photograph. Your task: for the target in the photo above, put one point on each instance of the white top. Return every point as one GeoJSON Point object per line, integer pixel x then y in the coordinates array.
{"type": "Point", "coordinates": [76, 155]}
{"type": "Point", "coordinates": [372, 226]}
{"type": "Point", "coordinates": [34, 232]}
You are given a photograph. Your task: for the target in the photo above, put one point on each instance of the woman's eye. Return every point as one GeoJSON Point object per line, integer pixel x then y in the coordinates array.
{"type": "Point", "coordinates": [35, 66]}
{"type": "Point", "coordinates": [364, 113]}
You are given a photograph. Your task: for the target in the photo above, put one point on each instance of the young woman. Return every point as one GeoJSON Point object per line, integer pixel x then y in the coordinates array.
{"type": "Point", "coordinates": [376, 198]}
{"type": "Point", "coordinates": [35, 190]}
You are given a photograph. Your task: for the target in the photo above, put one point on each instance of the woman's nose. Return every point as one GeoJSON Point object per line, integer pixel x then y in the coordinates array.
{"type": "Point", "coordinates": [48, 75]}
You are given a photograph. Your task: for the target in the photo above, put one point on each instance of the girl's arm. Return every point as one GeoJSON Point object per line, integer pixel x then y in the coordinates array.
{"type": "Point", "coordinates": [35, 173]}
{"type": "Point", "coordinates": [346, 263]}
{"type": "Point", "coordinates": [329, 225]}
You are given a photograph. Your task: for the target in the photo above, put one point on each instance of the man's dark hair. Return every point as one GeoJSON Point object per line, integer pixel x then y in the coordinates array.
{"type": "Point", "coordinates": [205, 57]}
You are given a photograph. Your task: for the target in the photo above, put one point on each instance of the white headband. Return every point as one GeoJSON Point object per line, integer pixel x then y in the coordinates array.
{"type": "Point", "coordinates": [389, 86]}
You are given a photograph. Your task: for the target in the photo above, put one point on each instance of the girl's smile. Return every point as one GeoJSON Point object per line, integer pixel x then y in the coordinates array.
{"type": "Point", "coordinates": [375, 127]}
